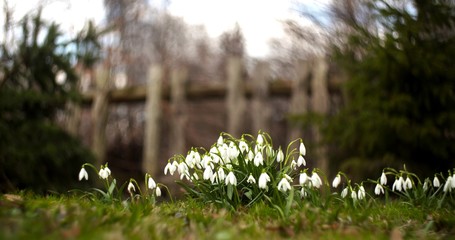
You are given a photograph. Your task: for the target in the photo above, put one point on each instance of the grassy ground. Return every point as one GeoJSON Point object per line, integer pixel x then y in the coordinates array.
{"type": "Point", "coordinates": [27, 216]}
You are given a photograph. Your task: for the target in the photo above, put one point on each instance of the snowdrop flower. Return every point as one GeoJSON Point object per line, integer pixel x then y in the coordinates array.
{"type": "Point", "coordinates": [107, 170]}
{"type": "Point", "coordinates": [383, 180]}
{"type": "Point", "coordinates": [208, 173]}
{"type": "Point", "coordinates": [279, 156]}
{"type": "Point", "coordinates": [407, 183]}
{"type": "Point", "coordinates": [220, 141]}
{"type": "Point", "coordinates": [344, 193]}
{"type": "Point", "coordinates": [170, 167]}
{"type": "Point", "coordinates": [336, 181]}
{"type": "Point", "coordinates": [361, 193]}
{"type": "Point", "coordinates": [398, 184]}
{"type": "Point", "coordinates": [251, 179]}
{"type": "Point", "coordinates": [378, 189]}
{"type": "Point", "coordinates": [303, 193]}
{"type": "Point", "coordinates": [354, 195]}
{"type": "Point", "coordinates": [206, 161]}
{"type": "Point", "coordinates": [182, 168]}
{"type": "Point", "coordinates": [131, 188]}
{"type": "Point", "coordinates": [195, 176]}
{"type": "Point", "coordinates": [243, 146]}
{"type": "Point", "coordinates": [231, 179]}
{"type": "Point", "coordinates": [260, 140]}
{"type": "Point", "coordinates": [83, 174]}
{"type": "Point", "coordinates": [250, 156]}
{"type": "Point", "coordinates": [221, 174]}
{"type": "Point", "coordinates": [448, 184]}
{"type": "Point", "coordinates": [316, 180]}
{"type": "Point", "coordinates": [263, 180]}
{"type": "Point", "coordinates": [425, 186]}
{"type": "Point", "coordinates": [303, 178]}
{"type": "Point", "coordinates": [233, 152]}
{"type": "Point", "coordinates": [301, 161]}
{"type": "Point", "coordinates": [302, 149]}
{"type": "Point", "coordinates": [284, 185]}
{"type": "Point", "coordinates": [436, 182]}
{"type": "Point", "coordinates": [151, 183]}
{"type": "Point", "coordinates": [104, 173]}
{"type": "Point", "coordinates": [158, 191]}
{"type": "Point", "coordinates": [293, 165]}
{"type": "Point", "coordinates": [258, 159]}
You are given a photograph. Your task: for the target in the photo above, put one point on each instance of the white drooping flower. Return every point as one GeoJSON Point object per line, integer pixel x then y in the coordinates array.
{"type": "Point", "coordinates": [436, 182]}
{"type": "Point", "coordinates": [344, 193]}
{"type": "Point", "coordinates": [316, 180]}
{"type": "Point", "coordinates": [206, 161]}
{"type": "Point", "coordinates": [378, 189]}
{"type": "Point", "coordinates": [258, 159]}
{"type": "Point", "coordinates": [131, 188]}
{"type": "Point", "coordinates": [233, 152]}
{"type": "Point", "coordinates": [448, 185]}
{"type": "Point", "coordinates": [301, 161]}
{"type": "Point", "coordinates": [303, 193]}
{"type": "Point", "coordinates": [251, 179]}
{"type": "Point", "coordinates": [354, 195]}
{"type": "Point", "coordinates": [263, 180]}
{"type": "Point", "coordinates": [158, 191]}
{"type": "Point", "coordinates": [284, 185]}
{"type": "Point", "coordinates": [243, 146]}
{"type": "Point", "coordinates": [250, 156]}
{"type": "Point", "coordinates": [221, 174]}
{"type": "Point", "coordinates": [104, 173]}
{"type": "Point", "coordinates": [208, 173]}
{"type": "Point", "coordinates": [279, 156]}
{"type": "Point", "coordinates": [293, 165]}
{"type": "Point", "coordinates": [407, 183]}
{"type": "Point", "coordinates": [220, 141]}
{"type": "Point", "coordinates": [336, 181]}
{"type": "Point", "coordinates": [383, 179]}
{"type": "Point", "coordinates": [425, 186]}
{"type": "Point", "coordinates": [302, 149]}
{"type": "Point", "coordinates": [151, 183]}
{"type": "Point", "coordinates": [231, 179]}
{"type": "Point", "coordinates": [170, 167]}
{"type": "Point", "coordinates": [303, 178]}
{"type": "Point", "coordinates": [361, 193]}
{"type": "Point", "coordinates": [195, 176]}
{"type": "Point", "coordinates": [224, 153]}
{"type": "Point", "coordinates": [83, 174]}
{"type": "Point", "coordinates": [398, 184]}
{"type": "Point", "coordinates": [107, 170]}
{"type": "Point", "coordinates": [260, 140]}
{"type": "Point", "coordinates": [182, 168]}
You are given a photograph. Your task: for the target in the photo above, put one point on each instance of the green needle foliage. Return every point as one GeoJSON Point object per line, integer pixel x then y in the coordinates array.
{"type": "Point", "coordinates": [400, 90]}
{"type": "Point", "coordinates": [34, 152]}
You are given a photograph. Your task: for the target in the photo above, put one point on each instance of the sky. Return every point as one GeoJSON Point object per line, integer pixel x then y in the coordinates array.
{"type": "Point", "coordinates": [260, 20]}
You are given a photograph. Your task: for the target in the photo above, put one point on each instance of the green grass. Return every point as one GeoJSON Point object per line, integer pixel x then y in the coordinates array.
{"type": "Point", "coordinates": [28, 216]}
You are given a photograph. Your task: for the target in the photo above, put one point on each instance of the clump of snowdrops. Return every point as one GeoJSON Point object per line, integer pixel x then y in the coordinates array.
{"type": "Point", "coordinates": [241, 172]}
{"type": "Point", "coordinates": [114, 193]}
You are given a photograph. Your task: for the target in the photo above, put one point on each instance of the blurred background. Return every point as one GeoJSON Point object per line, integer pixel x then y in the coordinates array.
{"type": "Point", "coordinates": [366, 84]}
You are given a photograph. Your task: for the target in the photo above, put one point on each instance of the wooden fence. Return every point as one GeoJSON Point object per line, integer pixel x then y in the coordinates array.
{"type": "Point", "coordinates": [309, 91]}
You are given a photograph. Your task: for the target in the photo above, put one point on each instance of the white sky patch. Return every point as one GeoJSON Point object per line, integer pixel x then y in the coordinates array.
{"type": "Point", "coordinates": [258, 19]}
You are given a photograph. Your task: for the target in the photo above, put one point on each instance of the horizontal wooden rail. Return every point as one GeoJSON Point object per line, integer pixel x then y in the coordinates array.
{"type": "Point", "coordinates": [193, 91]}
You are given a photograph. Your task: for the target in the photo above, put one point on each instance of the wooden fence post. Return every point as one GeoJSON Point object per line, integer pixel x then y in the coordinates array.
{"type": "Point", "coordinates": [260, 95]}
{"type": "Point", "coordinates": [236, 99]}
{"type": "Point", "coordinates": [152, 121]}
{"type": "Point", "coordinates": [179, 118]}
{"type": "Point", "coordinates": [99, 114]}
{"type": "Point", "coordinates": [320, 105]}
{"type": "Point", "coordinates": [299, 98]}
